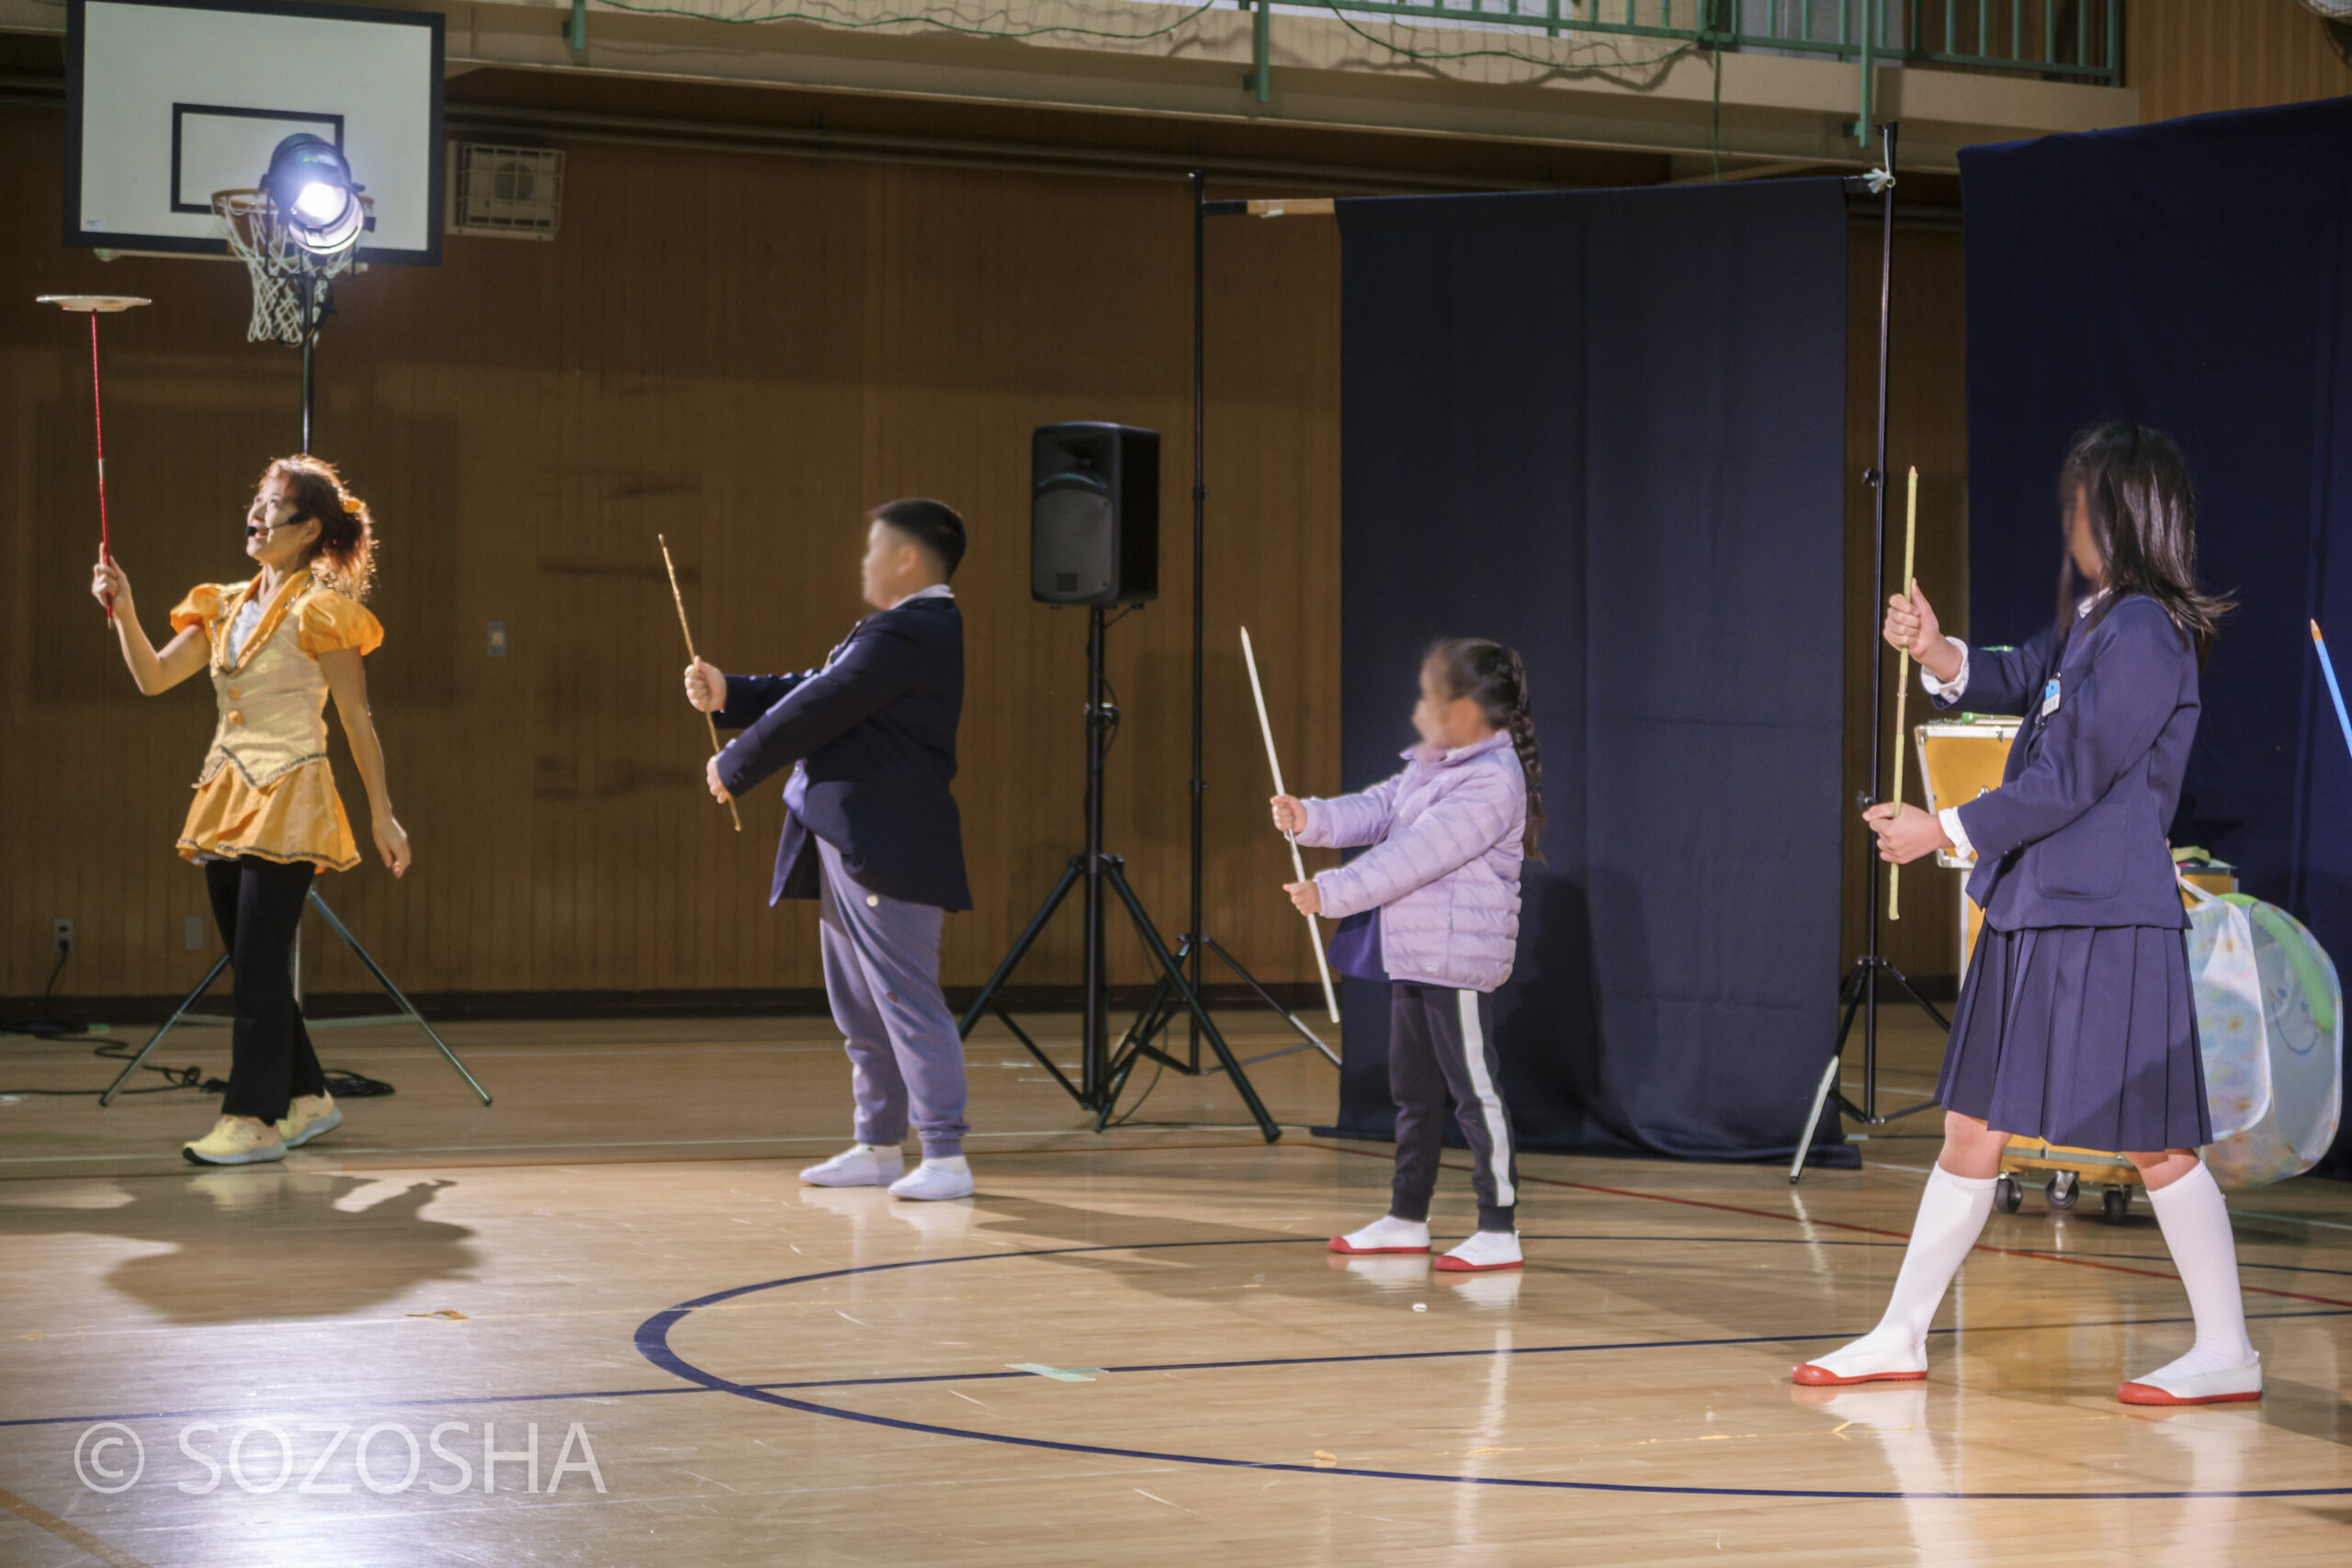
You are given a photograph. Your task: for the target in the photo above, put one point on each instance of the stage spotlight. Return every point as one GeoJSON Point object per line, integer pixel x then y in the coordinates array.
{"type": "Point", "coordinates": [315, 194]}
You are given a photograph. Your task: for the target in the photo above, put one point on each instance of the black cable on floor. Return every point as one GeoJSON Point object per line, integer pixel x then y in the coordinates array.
{"type": "Point", "coordinates": [41, 1026]}
{"type": "Point", "coordinates": [346, 1084]}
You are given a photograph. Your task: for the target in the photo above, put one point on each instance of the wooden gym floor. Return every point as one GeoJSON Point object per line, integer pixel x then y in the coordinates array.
{"type": "Point", "coordinates": [1129, 1348]}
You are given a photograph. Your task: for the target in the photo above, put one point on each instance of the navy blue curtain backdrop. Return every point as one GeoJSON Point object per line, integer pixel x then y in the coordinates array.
{"type": "Point", "coordinates": [1608, 428]}
{"type": "Point", "coordinates": [2189, 276]}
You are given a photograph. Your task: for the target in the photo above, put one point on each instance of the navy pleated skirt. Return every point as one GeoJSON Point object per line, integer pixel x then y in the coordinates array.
{"type": "Point", "coordinates": [2085, 1035]}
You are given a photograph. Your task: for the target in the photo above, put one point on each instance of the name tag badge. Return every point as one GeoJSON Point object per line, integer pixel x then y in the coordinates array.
{"type": "Point", "coordinates": [2049, 697]}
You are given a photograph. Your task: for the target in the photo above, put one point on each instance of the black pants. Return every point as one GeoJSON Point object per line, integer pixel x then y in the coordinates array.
{"type": "Point", "coordinates": [258, 904]}
{"type": "Point", "coordinates": [1441, 1042]}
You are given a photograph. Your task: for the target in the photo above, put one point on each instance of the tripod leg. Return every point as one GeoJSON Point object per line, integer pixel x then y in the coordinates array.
{"type": "Point", "coordinates": [1850, 994]}
{"type": "Point", "coordinates": [1039, 1053]}
{"type": "Point", "coordinates": [981, 1003]}
{"type": "Point", "coordinates": [1820, 1099]}
{"type": "Point", "coordinates": [1155, 1017]}
{"type": "Point", "coordinates": [1913, 992]}
{"type": "Point", "coordinates": [1167, 962]}
{"type": "Point", "coordinates": [1267, 997]}
{"type": "Point", "coordinates": [186, 1002]}
{"type": "Point", "coordinates": [1153, 1020]}
{"type": "Point", "coordinates": [394, 991]}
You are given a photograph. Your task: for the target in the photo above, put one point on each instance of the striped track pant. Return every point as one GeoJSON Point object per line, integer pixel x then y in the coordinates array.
{"type": "Point", "coordinates": [1441, 1043]}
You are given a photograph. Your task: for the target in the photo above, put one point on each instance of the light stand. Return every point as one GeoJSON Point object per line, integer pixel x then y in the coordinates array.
{"type": "Point", "coordinates": [1857, 996]}
{"type": "Point", "coordinates": [1161, 1010]}
{"type": "Point", "coordinates": [292, 256]}
{"type": "Point", "coordinates": [407, 1012]}
{"type": "Point", "coordinates": [1097, 1088]}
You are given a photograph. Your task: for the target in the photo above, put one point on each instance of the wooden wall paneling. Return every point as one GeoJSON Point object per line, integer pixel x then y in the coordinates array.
{"type": "Point", "coordinates": [525, 416]}
{"type": "Point", "coordinates": [2195, 57]}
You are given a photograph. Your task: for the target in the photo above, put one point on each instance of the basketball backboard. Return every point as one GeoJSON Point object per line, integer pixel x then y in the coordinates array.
{"type": "Point", "coordinates": [171, 100]}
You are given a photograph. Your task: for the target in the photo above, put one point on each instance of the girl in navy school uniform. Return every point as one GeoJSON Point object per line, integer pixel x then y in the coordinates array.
{"type": "Point", "coordinates": [1449, 836]}
{"type": "Point", "coordinates": [2076, 1022]}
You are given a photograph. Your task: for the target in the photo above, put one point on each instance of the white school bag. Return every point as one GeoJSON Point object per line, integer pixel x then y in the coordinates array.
{"type": "Point", "coordinates": [2270, 1022]}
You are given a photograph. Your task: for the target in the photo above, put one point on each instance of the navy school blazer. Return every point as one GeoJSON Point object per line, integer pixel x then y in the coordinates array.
{"type": "Point", "coordinates": [2076, 834]}
{"type": "Point", "coordinates": [875, 730]}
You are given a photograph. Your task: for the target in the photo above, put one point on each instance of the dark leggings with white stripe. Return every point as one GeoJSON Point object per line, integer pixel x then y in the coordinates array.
{"type": "Point", "coordinates": [1441, 1043]}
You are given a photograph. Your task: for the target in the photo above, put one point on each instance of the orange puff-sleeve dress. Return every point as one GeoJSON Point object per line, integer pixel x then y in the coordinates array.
{"type": "Point", "coordinates": [266, 788]}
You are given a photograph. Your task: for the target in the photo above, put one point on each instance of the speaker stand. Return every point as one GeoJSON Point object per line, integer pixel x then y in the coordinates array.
{"type": "Point", "coordinates": [1093, 869]}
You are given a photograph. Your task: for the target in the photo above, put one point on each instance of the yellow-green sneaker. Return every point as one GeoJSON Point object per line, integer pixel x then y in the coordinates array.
{"type": "Point", "coordinates": [307, 1117]}
{"type": "Point", "coordinates": [235, 1140]}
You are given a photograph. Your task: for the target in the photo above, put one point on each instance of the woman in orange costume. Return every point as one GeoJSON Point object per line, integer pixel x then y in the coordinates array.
{"type": "Point", "coordinates": [266, 818]}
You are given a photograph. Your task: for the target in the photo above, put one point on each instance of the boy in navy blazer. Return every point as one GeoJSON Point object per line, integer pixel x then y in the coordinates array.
{"type": "Point", "coordinates": [871, 833]}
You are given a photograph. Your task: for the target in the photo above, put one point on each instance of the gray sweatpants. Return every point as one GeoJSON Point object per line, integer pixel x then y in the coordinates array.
{"type": "Point", "coordinates": [882, 983]}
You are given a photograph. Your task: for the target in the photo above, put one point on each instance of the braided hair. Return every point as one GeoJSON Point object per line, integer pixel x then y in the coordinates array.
{"type": "Point", "coordinates": [1493, 676]}
{"type": "Point", "coordinates": [345, 556]}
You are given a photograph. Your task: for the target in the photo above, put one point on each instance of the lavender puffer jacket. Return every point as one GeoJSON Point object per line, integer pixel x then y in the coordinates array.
{"type": "Point", "coordinates": [1443, 870]}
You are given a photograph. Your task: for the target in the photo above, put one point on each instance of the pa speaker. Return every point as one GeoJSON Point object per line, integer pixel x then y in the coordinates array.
{"type": "Point", "coordinates": [1093, 515]}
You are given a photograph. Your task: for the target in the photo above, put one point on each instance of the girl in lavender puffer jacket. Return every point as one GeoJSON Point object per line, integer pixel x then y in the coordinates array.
{"type": "Point", "coordinates": [1448, 836]}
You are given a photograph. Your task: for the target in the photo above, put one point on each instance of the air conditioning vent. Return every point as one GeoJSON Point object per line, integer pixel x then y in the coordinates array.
{"type": "Point", "coordinates": [517, 192]}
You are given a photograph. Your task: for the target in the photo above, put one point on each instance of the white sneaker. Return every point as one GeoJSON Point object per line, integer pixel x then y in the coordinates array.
{"type": "Point", "coordinates": [860, 1165]}
{"type": "Point", "coordinates": [1386, 1233]}
{"type": "Point", "coordinates": [308, 1117]}
{"type": "Point", "coordinates": [235, 1140]}
{"type": "Point", "coordinates": [948, 1177]}
{"type": "Point", "coordinates": [1485, 1249]}
{"type": "Point", "coordinates": [2224, 1386]}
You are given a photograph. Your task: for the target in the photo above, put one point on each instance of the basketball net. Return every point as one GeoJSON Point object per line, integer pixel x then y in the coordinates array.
{"type": "Point", "coordinates": [289, 283]}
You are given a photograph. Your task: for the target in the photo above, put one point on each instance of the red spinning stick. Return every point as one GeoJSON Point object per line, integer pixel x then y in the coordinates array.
{"type": "Point", "coordinates": [95, 306]}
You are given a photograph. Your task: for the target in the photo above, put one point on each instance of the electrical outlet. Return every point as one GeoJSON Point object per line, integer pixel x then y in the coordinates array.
{"type": "Point", "coordinates": [60, 935]}
{"type": "Point", "coordinates": [192, 933]}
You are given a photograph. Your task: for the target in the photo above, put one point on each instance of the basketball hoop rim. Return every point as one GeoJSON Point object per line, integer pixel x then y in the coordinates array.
{"type": "Point", "coordinates": [255, 197]}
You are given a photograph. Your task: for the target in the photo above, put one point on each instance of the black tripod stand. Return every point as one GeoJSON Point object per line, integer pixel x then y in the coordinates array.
{"type": "Point", "coordinates": [1099, 1080]}
{"type": "Point", "coordinates": [1858, 997]}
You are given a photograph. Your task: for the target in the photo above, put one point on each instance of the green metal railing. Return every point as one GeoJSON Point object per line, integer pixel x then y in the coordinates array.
{"type": "Point", "coordinates": [2078, 41]}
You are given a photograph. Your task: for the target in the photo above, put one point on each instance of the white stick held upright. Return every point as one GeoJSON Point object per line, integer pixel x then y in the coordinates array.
{"type": "Point", "coordinates": [1314, 931]}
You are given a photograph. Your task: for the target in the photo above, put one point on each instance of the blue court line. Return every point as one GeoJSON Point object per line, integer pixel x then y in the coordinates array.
{"type": "Point", "coordinates": [698, 1387]}
{"type": "Point", "coordinates": [653, 1344]}
{"type": "Point", "coordinates": [265, 1412]}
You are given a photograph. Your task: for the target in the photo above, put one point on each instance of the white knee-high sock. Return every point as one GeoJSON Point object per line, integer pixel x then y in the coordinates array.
{"type": "Point", "coordinates": [1951, 1216]}
{"type": "Point", "coordinates": [2195, 1223]}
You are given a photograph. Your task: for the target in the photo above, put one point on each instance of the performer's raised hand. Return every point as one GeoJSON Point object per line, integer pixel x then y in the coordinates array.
{"type": "Point", "coordinates": [110, 587]}
{"type": "Point", "coordinates": [1906, 832]}
{"type": "Point", "coordinates": [706, 687]}
{"type": "Point", "coordinates": [1912, 626]}
{"type": "Point", "coordinates": [1289, 815]}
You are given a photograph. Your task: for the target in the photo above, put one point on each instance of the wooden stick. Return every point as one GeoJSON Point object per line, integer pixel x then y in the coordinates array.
{"type": "Point", "coordinates": [1314, 931]}
{"type": "Point", "coordinates": [1902, 687]}
{"type": "Point", "coordinates": [692, 658]}
{"type": "Point", "coordinates": [2327, 668]}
